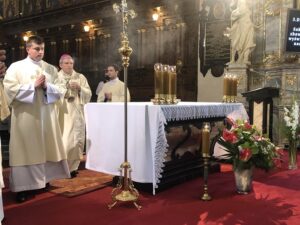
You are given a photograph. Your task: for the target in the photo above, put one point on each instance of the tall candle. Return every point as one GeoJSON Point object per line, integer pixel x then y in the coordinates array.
{"type": "Point", "coordinates": [230, 85]}
{"type": "Point", "coordinates": [205, 140]}
{"type": "Point", "coordinates": [157, 80]}
{"type": "Point", "coordinates": [172, 81]}
{"type": "Point", "coordinates": [225, 85]}
{"type": "Point", "coordinates": [165, 80]}
{"type": "Point", "coordinates": [234, 80]}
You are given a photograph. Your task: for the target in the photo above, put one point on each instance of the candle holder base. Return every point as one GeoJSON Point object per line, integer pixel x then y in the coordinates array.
{"type": "Point", "coordinates": [206, 197]}
{"type": "Point", "coordinates": [125, 191]}
{"type": "Point", "coordinates": [157, 101]}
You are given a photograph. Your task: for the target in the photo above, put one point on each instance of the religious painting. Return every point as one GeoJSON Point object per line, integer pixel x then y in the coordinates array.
{"type": "Point", "coordinates": [214, 46]}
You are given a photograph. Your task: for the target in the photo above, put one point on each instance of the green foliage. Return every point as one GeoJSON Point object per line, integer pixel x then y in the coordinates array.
{"type": "Point", "coordinates": [246, 147]}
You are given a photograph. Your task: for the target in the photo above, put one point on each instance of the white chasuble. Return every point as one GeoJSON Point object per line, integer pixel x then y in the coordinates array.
{"type": "Point", "coordinates": [71, 117]}
{"type": "Point", "coordinates": [116, 88]}
{"type": "Point", "coordinates": [35, 133]}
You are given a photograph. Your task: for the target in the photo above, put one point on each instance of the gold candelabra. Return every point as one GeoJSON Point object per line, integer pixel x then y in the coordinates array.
{"type": "Point", "coordinates": [125, 191]}
{"type": "Point", "coordinates": [230, 84]}
{"type": "Point", "coordinates": [165, 84]}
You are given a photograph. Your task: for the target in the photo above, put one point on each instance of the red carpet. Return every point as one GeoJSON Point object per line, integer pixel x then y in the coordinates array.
{"type": "Point", "coordinates": [275, 200]}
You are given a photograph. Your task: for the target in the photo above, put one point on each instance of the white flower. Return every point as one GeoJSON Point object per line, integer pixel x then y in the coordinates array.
{"type": "Point", "coordinates": [291, 118]}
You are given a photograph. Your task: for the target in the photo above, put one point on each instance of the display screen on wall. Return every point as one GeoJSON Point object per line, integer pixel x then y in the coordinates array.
{"type": "Point", "coordinates": [292, 43]}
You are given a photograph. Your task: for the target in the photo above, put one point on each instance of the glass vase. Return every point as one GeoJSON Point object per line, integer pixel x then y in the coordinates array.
{"type": "Point", "coordinates": [293, 155]}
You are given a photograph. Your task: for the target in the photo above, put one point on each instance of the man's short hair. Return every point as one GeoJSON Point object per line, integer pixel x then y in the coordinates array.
{"type": "Point", "coordinates": [115, 66]}
{"type": "Point", "coordinates": [34, 39]}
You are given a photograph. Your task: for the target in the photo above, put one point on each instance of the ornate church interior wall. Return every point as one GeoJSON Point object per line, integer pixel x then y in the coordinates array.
{"type": "Point", "coordinates": [171, 39]}
{"type": "Point", "coordinates": [269, 64]}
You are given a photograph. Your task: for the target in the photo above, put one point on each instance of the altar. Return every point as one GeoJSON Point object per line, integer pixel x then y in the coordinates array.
{"type": "Point", "coordinates": [147, 142]}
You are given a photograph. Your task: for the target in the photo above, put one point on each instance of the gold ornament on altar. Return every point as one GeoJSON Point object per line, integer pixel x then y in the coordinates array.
{"type": "Point", "coordinates": [125, 191]}
{"type": "Point", "coordinates": [230, 84]}
{"type": "Point", "coordinates": [165, 84]}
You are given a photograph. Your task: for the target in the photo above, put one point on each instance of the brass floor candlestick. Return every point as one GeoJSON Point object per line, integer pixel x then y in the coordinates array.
{"type": "Point", "coordinates": [206, 196]}
{"type": "Point", "coordinates": [125, 191]}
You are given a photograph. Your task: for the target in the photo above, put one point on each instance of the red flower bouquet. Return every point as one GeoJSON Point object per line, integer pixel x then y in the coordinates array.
{"type": "Point", "coordinates": [245, 147]}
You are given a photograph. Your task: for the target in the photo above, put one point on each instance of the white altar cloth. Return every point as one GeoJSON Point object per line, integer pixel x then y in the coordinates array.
{"type": "Point", "coordinates": [147, 144]}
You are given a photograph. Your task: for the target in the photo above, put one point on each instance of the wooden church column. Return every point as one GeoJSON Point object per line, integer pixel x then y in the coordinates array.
{"type": "Point", "coordinates": [53, 51]}
{"type": "Point", "coordinates": [79, 52]}
{"type": "Point", "coordinates": [66, 46]}
{"type": "Point", "coordinates": [92, 52]}
{"type": "Point", "coordinates": [22, 52]}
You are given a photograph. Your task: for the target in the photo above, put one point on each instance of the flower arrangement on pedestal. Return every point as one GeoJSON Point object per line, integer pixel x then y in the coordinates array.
{"type": "Point", "coordinates": [291, 119]}
{"type": "Point", "coordinates": [246, 148]}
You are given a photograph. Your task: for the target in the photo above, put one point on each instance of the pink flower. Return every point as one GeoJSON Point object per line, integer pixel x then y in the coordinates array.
{"type": "Point", "coordinates": [229, 136]}
{"type": "Point", "coordinates": [245, 154]}
{"type": "Point", "coordinates": [247, 125]}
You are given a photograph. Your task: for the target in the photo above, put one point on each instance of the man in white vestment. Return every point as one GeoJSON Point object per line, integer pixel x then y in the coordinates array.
{"type": "Point", "coordinates": [71, 117]}
{"type": "Point", "coordinates": [36, 151]}
{"type": "Point", "coordinates": [4, 108]}
{"type": "Point", "coordinates": [113, 90]}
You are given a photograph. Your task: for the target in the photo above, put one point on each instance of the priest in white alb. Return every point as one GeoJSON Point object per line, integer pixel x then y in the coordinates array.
{"type": "Point", "coordinates": [71, 117]}
{"type": "Point", "coordinates": [36, 151]}
{"type": "Point", "coordinates": [113, 90]}
{"type": "Point", "coordinates": [4, 113]}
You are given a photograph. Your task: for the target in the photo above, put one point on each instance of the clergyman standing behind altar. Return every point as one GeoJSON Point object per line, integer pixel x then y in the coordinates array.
{"type": "Point", "coordinates": [113, 90]}
{"type": "Point", "coordinates": [36, 151]}
{"type": "Point", "coordinates": [71, 117]}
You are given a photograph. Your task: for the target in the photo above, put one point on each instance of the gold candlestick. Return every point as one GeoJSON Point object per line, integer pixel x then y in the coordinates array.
{"type": "Point", "coordinates": [234, 81]}
{"type": "Point", "coordinates": [173, 84]}
{"type": "Point", "coordinates": [206, 196]}
{"type": "Point", "coordinates": [157, 83]}
{"type": "Point", "coordinates": [165, 82]}
{"type": "Point", "coordinates": [125, 191]}
{"type": "Point", "coordinates": [230, 88]}
{"type": "Point", "coordinates": [205, 139]}
{"type": "Point", "coordinates": [206, 155]}
{"type": "Point", "coordinates": [225, 88]}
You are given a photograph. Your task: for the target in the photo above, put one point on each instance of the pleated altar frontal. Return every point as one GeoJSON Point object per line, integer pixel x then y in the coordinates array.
{"type": "Point", "coordinates": [147, 143]}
